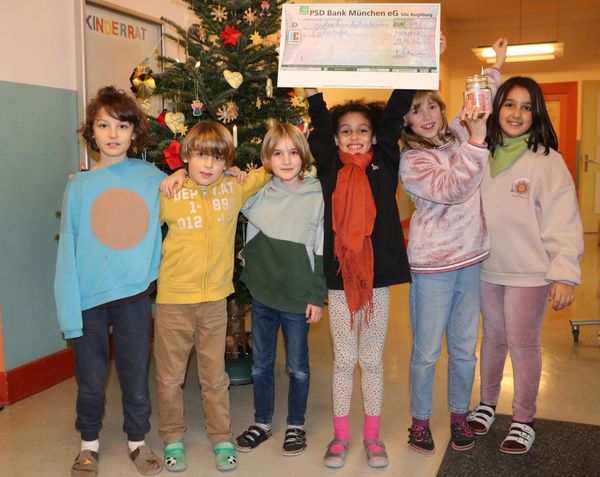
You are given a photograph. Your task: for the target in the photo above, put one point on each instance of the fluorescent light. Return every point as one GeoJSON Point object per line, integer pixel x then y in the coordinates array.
{"type": "Point", "coordinates": [523, 52]}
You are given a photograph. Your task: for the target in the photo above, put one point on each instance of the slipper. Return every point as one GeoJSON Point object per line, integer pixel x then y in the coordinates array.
{"type": "Point", "coordinates": [146, 462]}
{"type": "Point", "coordinates": [336, 460]}
{"type": "Point", "coordinates": [376, 459]}
{"type": "Point", "coordinates": [481, 419]}
{"type": "Point", "coordinates": [174, 457]}
{"type": "Point", "coordinates": [519, 439]}
{"type": "Point", "coordinates": [225, 456]}
{"type": "Point", "coordinates": [85, 465]}
{"type": "Point", "coordinates": [252, 438]}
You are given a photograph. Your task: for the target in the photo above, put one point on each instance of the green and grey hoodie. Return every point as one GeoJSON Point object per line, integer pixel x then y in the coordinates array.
{"type": "Point", "coordinates": [284, 246]}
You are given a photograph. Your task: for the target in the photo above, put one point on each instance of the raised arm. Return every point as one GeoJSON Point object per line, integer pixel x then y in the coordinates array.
{"type": "Point", "coordinates": [321, 137]}
{"type": "Point", "coordinates": [389, 128]}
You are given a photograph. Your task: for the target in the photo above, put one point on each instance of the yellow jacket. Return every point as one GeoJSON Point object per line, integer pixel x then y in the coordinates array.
{"type": "Point", "coordinates": [197, 253]}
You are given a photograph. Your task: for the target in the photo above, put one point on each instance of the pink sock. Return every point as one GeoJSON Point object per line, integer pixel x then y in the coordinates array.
{"type": "Point", "coordinates": [341, 430]}
{"type": "Point", "coordinates": [420, 422]}
{"type": "Point", "coordinates": [371, 431]}
{"type": "Point", "coordinates": [454, 418]}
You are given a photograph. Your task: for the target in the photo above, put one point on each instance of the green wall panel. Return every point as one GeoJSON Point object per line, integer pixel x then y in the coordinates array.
{"type": "Point", "coordinates": [38, 151]}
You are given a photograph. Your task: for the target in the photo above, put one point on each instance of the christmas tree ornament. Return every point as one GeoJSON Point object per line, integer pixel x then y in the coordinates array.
{"type": "Point", "coordinates": [255, 140]}
{"type": "Point", "coordinates": [265, 7]}
{"type": "Point", "coordinates": [269, 88]}
{"type": "Point", "coordinates": [182, 129]}
{"type": "Point", "coordinates": [233, 78]}
{"type": "Point", "coordinates": [297, 102]}
{"type": "Point", "coordinates": [256, 39]}
{"type": "Point", "coordinates": [230, 35]}
{"type": "Point", "coordinates": [272, 40]}
{"type": "Point", "coordinates": [174, 121]}
{"type": "Point", "coordinates": [228, 112]}
{"type": "Point", "coordinates": [258, 103]}
{"type": "Point", "coordinates": [142, 82]}
{"type": "Point", "coordinates": [249, 16]}
{"type": "Point", "coordinates": [171, 154]}
{"type": "Point", "coordinates": [198, 30]}
{"type": "Point", "coordinates": [218, 13]}
{"type": "Point", "coordinates": [197, 106]}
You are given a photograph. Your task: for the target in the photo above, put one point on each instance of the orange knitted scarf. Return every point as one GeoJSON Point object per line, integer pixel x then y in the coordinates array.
{"type": "Point", "coordinates": [353, 214]}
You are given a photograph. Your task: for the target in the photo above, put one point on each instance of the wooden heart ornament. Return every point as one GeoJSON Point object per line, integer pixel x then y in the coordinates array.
{"type": "Point", "coordinates": [174, 121]}
{"type": "Point", "coordinates": [233, 78]}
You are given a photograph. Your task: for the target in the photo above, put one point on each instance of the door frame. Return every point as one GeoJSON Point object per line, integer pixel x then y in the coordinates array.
{"type": "Point", "coordinates": [566, 93]}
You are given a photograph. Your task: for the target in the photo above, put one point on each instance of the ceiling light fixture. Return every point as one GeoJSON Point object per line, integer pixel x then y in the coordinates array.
{"type": "Point", "coordinates": [525, 51]}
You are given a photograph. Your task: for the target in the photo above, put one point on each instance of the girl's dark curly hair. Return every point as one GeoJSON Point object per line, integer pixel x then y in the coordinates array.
{"type": "Point", "coordinates": [541, 131]}
{"type": "Point", "coordinates": [121, 106]}
{"type": "Point", "coordinates": [372, 111]}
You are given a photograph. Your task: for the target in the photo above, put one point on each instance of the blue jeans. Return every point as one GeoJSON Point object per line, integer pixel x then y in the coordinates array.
{"type": "Point", "coordinates": [443, 302]}
{"type": "Point", "coordinates": [132, 330]}
{"type": "Point", "coordinates": [265, 325]}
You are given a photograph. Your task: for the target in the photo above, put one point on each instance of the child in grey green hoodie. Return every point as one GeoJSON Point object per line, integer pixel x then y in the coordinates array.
{"type": "Point", "coordinates": [284, 273]}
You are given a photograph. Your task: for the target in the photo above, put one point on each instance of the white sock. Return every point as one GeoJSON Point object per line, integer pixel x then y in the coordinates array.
{"type": "Point", "coordinates": [291, 426]}
{"type": "Point", "coordinates": [133, 445]}
{"type": "Point", "coordinates": [90, 445]}
{"type": "Point", "coordinates": [264, 427]}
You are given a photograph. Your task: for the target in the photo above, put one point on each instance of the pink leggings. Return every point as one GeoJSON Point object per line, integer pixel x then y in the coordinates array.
{"type": "Point", "coordinates": [512, 322]}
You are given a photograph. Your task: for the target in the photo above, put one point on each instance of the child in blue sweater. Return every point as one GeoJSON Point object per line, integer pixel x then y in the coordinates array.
{"type": "Point", "coordinates": [107, 264]}
{"type": "Point", "coordinates": [284, 273]}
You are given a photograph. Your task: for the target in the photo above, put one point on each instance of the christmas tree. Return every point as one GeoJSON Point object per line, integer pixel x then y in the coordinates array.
{"type": "Point", "coordinates": [229, 75]}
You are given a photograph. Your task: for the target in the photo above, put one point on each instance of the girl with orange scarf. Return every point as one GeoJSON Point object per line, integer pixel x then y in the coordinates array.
{"type": "Point", "coordinates": [363, 250]}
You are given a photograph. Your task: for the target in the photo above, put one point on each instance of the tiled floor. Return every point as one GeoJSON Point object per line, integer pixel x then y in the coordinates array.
{"type": "Point", "coordinates": [37, 435]}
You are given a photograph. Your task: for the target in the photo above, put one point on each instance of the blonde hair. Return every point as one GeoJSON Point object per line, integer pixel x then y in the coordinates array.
{"type": "Point", "coordinates": [411, 140]}
{"type": "Point", "coordinates": [295, 136]}
{"type": "Point", "coordinates": [211, 138]}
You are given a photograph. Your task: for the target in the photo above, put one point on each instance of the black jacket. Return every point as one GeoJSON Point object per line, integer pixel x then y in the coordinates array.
{"type": "Point", "coordinates": [391, 262]}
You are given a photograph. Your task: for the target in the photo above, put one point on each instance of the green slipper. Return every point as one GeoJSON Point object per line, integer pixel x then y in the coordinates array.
{"type": "Point", "coordinates": [174, 457]}
{"type": "Point", "coordinates": [225, 455]}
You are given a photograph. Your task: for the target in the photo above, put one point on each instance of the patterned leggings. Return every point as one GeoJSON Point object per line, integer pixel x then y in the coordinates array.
{"type": "Point", "coordinates": [349, 349]}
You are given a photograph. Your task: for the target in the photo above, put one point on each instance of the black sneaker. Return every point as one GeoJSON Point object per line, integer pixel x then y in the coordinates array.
{"type": "Point", "coordinates": [420, 439]}
{"type": "Point", "coordinates": [294, 442]}
{"type": "Point", "coordinates": [463, 437]}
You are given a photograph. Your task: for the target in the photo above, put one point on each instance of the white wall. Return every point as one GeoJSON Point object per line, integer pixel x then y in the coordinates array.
{"type": "Point", "coordinates": [38, 42]}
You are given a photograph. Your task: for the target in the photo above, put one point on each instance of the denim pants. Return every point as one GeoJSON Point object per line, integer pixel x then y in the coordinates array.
{"type": "Point", "coordinates": [132, 331]}
{"type": "Point", "coordinates": [443, 302]}
{"type": "Point", "coordinates": [265, 326]}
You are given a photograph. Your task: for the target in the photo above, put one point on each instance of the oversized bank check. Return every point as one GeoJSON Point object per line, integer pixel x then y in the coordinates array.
{"type": "Point", "coordinates": [373, 45]}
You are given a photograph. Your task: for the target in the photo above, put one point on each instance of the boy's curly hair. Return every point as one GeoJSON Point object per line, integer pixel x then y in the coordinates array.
{"type": "Point", "coordinates": [121, 106]}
